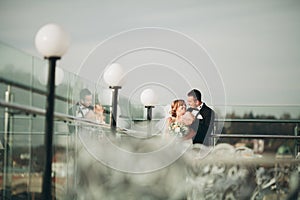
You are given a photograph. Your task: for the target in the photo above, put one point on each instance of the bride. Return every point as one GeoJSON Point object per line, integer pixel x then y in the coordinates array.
{"type": "Point", "coordinates": [179, 121]}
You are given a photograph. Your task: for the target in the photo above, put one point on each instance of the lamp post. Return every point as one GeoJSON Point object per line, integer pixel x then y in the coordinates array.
{"type": "Point", "coordinates": [149, 98]}
{"type": "Point", "coordinates": [112, 77]}
{"type": "Point", "coordinates": [52, 42]}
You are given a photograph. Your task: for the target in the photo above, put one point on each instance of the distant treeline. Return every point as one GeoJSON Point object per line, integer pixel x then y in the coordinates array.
{"type": "Point", "coordinates": [270, 128]}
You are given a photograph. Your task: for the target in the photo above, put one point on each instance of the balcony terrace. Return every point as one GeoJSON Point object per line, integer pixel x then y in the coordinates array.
{"type": "Point", "coordinates": [255, 151]}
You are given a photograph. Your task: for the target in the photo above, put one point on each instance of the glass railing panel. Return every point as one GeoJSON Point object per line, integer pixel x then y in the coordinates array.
{"type": "Point", "coordinates": [21, 166]}
{"type": "Point", "coordinates": [22, 146]}
{"type": "Point", "coordinates": [24, 161]}
{"type": "Point", "coordinates": [16, 66]}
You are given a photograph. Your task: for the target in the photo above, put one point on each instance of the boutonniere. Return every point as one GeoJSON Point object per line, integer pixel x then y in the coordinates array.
{"type": "Point", "coordinates": [199, 116]}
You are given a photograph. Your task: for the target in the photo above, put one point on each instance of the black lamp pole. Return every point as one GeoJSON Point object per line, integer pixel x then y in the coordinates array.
{"type": "Point", "coordinates": [149, 118]}
{"type": "Point", "coordinates": [149, 112]}
{"type": "Point", "coordinates": [113, 117]}
{"type": "Point", "coordinates": [47, 180]}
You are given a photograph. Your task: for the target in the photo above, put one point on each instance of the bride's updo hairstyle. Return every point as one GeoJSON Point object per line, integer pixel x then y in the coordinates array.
{"type": "Point", "coordinates": [175, 104]}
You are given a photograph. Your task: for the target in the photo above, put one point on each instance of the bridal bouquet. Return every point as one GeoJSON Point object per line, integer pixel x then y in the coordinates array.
{"type": "Point", "coordinates": [178, 129]}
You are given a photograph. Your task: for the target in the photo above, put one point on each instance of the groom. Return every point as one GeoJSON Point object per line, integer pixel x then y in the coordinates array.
{"type": "Point", "coordinates": [204, 118]}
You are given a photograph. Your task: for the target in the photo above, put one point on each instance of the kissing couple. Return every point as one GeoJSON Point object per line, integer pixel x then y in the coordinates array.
{"type": "Point", "coordinates": [193, 123]}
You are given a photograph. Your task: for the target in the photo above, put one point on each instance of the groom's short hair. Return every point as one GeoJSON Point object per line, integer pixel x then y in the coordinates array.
{"type": "Point", "coordinates": [84, 92]}
{"type": "Point", "coordinates": [195, 93]}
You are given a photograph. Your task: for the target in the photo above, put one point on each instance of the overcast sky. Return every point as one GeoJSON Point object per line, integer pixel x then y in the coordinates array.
{"type": "Point", "coordinates": [254, 44]}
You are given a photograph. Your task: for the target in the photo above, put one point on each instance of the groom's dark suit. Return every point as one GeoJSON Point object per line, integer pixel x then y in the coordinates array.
{"type": "Point", "coordinates": [203, 125]}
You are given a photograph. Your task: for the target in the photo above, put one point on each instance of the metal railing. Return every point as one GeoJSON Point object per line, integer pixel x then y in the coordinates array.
{"type": "Point", "coordinates": [32, 89]}
{"type": "Point", "coordinates": [295, 137]}
{"type": "Point", "coordinates": [261, 136]}
{"type": "Point", "coordinates": [69, 118]}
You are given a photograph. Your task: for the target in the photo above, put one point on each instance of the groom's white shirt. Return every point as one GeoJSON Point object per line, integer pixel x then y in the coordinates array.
{"type": "Point", "coordinates": [199, 107]}
{"type": "Point", "coordinates": [195, 112]}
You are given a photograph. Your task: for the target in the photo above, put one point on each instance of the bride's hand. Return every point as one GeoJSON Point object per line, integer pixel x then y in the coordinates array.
{"type": "Point", "coordinates": [188, 118]}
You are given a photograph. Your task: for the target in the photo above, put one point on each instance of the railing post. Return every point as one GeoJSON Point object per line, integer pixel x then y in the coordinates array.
{"type": "Point", "coordinates": [7, 175]}
{"type": "Point", "coordinates": [297, 141]}
{"type": "Point", "coordinates": [214, 139]}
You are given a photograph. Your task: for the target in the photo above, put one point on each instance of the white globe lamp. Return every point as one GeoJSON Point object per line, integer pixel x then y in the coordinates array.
{"type": "Point", "coordinates": [52, 41]}
{"type": "Point", "coordinates": [113, 74]}
{"type": "Point", "coordinates": [149, 99]}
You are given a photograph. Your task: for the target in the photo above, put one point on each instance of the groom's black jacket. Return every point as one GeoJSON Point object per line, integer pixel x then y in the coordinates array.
{"type": "Point", "coordinates": [203, 125]}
